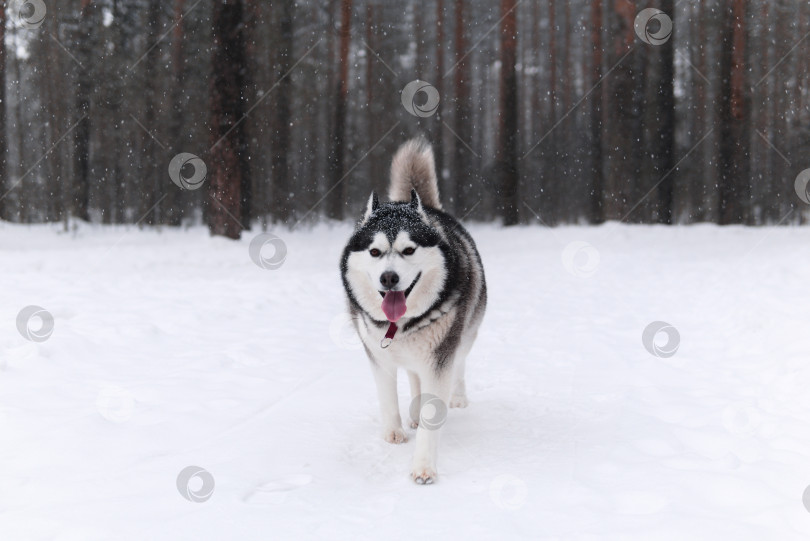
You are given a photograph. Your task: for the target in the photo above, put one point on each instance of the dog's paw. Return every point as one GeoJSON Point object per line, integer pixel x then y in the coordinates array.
{"type": "Point", "coordinates": [395, 435]}
{"type": "Point", "coordinates": [459, 401]}
{"type": "Point", "coordinates": [424, 476]}
{"type": "Point", "coordinates": [414, 424]}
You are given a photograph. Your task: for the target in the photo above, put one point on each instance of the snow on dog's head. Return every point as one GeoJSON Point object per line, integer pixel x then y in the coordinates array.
{"type": "Point", "coordinates": [394, 264]}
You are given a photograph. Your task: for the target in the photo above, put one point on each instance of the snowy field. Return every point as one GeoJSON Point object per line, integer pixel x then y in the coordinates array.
{"type": "Point", "coordinates": [173, 349]}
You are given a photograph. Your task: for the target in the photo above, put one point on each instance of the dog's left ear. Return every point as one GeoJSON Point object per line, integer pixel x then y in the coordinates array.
{"type": "Point", "coordinates": [416, 201]}
{"type": "Point", "coordinates": [416, 204]}
{"type": "Point", "coordinates": [371, 206]}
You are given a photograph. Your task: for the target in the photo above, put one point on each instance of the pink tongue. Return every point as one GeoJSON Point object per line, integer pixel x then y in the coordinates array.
{"type": "Point", "coordinates": [393, 305]}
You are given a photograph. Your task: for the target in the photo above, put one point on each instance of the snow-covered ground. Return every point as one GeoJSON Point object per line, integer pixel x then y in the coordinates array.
{"type": "Point", "coordinates": [173, 349]}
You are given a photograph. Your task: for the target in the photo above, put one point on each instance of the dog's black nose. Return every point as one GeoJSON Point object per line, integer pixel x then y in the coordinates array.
{"type": "Point", "coordinates": [389, 279]}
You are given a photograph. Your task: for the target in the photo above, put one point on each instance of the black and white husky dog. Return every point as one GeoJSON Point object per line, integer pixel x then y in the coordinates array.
{"type": "Point", "coordinates": [417, 295]}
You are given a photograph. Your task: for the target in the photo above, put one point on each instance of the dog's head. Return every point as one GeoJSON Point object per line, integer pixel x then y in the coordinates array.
{"type": "Point", "coordinates": [395, 262]}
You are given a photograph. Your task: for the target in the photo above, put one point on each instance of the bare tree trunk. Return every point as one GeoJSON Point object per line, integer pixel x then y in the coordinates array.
{"type": "Point", "coordinates": [152, 188]}
{"type": "Point", "coordinates": [622, 152]}
{"type": "Point", "coordinates": [122, 161]}
{"type": "Point", "coordinates": [508, 120]}
{"type": "Point", "coordinates": [174, 200]}
{"type": "Point", "coordinates": [664, 140]}
{"type": "Point", "coordinates": [461, 175]}
{"type": "Point", "coordinates": [803, 136]}
{"type": "Point", "coordinates": [563, 142]}
{"type": "Point", "coordinates": [23, 192]}
{"type": "Point", "coordinates": [698, 183]}
{"type": "Point", "coordinates": [228, 170]}
{"type": "Point", "coordinates": [81, 138]}
{"type": "Point", "coordinates": [438, 132]}
{"type": "Point", "coordinates": [336, 199]}
{"type": "Point", "coordinates": [281, 115]}
{"type": "Point", "coordinates": [597, 212]}
{"type": "Point", "coordinates": [419, 38]}
{"type": "Point", "coordinates": [51, 109]}
{"type": "Point", "coordinates": [5, 185]}
{"type": "Point", "coordinates": [763, 163]}
{"type": "Point", "coordinates": [733, 184]}
{"type": "Point", "coordinates": [532, 166]}
{"type": "Point", "coordinates": [371, 120]}
{"type": "Point", "coordinates": [551, 183]}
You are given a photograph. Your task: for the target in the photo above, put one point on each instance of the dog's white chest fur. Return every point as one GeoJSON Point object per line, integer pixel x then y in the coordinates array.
{"type": "Point", "coordinates": [409, 350]}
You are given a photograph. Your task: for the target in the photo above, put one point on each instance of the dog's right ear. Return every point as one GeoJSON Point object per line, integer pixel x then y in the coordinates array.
{"type": "Point", "coordinates": [371, 206]}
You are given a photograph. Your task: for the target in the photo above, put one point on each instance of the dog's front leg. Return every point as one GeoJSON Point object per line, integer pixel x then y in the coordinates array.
{"type": "Point", "coordinates": [431, 417]}
{"type": "Point", "coordinates": [413, 377]}
{"type": "Point", "coordinates": [386, 379]}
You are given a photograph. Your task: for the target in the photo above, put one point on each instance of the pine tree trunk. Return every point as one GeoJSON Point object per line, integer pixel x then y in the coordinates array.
{"type": "Point", "coordinates": [227, 167]}
{"type": "Point", "coordinates": [336, 199]}
{"type": "Point", "coordinates": [620, 118]}
{"type": "Point", "coordinates": [374, 162]}
{"type": "Point", "coordinates": [172, 209]}
{"type": "Point", "coordinates": [532, 165]}
{"type": "Point", "coordinates": [81, 133]}
{"type": "Point", "coordinates": [438, 132]}
{"type": "Point", "coordinates": [24, 202]}
{"type": "Point", "coordinates": [419, 39]}
{"type": "Point", "coordinates": [766, 119]}
{"type": "Point", "coordinates": [461, 174]}
{"type": "Point", "coordinates": [151, 180]}
{"type": "Point", "coordinates": [5, 184]}
{"type": "Point", "coordinates": [664, 140]}
{"type": "Point", "coordinates": [281, 115]}
{"type": "Point", "coordinates": [698, 189]}
{"type": "Point", "coordinates": [551, 187]}
{"type": "Point", "coordinates": [733, 185]}
{"type": "Point", "coordinates": [508, 119]}
{"type": "Point", "coordinates": [50, 108]}
{"type": "Point", "coordinates": [564, 141]}
{"type": "Point", "coordinates": [596, 209]}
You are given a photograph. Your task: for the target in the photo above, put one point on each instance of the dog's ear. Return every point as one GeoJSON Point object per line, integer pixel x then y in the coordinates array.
{"type": "Point", "coordinates": [416, 204]}
{"type": "Point", "coordinates": [371, 206]}
{"type": "Point", "coordinates": [416, 201]}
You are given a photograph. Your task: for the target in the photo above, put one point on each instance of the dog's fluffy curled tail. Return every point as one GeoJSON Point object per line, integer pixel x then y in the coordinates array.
{"type": "Point", "coordinates": [414, 168]}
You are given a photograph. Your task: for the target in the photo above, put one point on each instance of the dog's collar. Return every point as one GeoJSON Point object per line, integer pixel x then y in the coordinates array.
{"type": "Point", "coordinates": [389, 336]}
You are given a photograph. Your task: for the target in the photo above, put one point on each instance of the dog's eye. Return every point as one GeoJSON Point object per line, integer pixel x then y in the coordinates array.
{"type": "Point", "coordinates": [375, 252]}
{"type": "Point", "coordinates": [408, 251]}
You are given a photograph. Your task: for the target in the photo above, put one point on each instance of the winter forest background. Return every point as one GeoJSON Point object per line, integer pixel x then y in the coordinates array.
{"type": "Point", "coordinates": [245, 112]}
{"type": "Point", "coordinates": [160, 380]}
